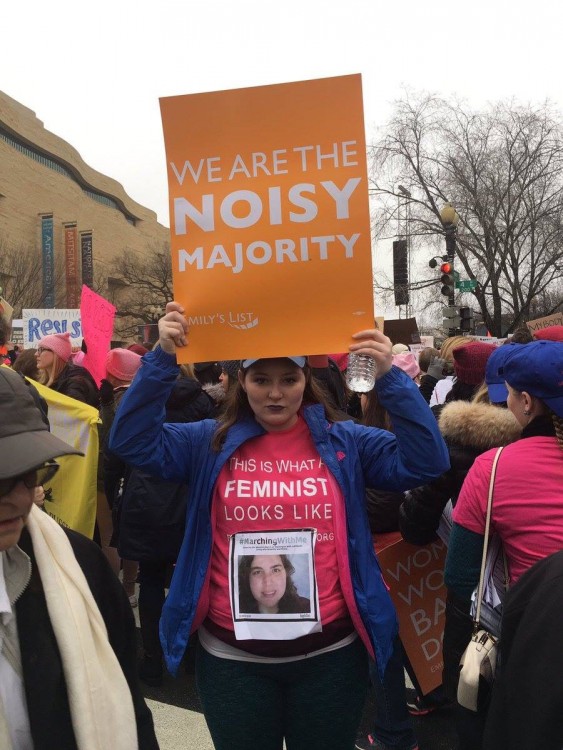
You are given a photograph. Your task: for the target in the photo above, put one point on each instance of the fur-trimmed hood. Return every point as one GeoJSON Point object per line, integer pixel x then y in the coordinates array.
{"type": "Point", "coordinates": [216, 391]}
{"type": "Point", "coordinates": [481, 426]}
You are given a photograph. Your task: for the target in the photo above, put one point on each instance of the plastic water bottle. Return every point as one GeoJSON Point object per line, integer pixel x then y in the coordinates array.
{"type": "Point", "coordinates": [360, 375]}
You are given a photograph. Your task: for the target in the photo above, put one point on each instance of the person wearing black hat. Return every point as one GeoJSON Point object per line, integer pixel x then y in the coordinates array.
{"type": "Point", "coordinates": [67, 634]}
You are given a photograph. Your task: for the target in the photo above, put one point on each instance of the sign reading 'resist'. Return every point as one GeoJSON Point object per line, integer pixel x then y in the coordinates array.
{"type": "Point", "coordinates": [44, 322]}
{"type": "Point", "coordinates": [269, 216]}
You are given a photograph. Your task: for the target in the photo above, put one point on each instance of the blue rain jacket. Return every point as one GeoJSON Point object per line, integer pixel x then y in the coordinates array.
{"type": "Point", "coordinates": [357, 456]}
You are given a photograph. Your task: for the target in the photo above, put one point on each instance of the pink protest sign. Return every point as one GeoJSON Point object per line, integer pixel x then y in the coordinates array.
{"type": "Point", "coordinates": [97, 316]}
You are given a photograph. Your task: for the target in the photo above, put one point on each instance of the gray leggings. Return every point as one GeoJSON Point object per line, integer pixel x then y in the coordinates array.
{"type": "Point", "coordinates": [315, 704]}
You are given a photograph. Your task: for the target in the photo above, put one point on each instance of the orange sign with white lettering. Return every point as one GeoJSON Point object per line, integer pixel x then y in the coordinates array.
{"type": "Point", "coordinates": [415, 576]}
{"type": "Point", "coordinates": [269, 217]}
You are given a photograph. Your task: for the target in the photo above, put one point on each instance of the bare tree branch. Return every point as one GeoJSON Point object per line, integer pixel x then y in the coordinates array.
{"type": "Point", "coordinates": [503, 170]}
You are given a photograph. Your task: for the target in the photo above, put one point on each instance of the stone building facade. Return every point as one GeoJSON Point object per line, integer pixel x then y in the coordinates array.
{"type": "Point", "coordinates": [74, 218]}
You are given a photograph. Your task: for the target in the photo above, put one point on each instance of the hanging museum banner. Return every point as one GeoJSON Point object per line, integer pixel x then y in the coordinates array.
{"type": "Point", "coordinates": [48, 260]}
{"type": "Point", "coordinates": [269, 217]}
{"type": "Point", "coordinates": [87, 258]}
{"type": "Point", "coordinates": [71, 265]}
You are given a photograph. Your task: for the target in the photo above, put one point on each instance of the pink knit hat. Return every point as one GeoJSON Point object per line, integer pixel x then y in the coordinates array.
{"type": "Point", "coordinates": [122, 364]}
{"type": "Point", "coordinates": [408, 363]}
{"type": "Point", "coordinates": [552, 333]}
{"type": "Point", "coordinates": [59, 343]}
{"type": "Point", "coordinates": [470, 361]}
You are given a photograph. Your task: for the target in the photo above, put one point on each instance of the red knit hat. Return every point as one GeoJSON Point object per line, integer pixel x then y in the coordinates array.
{"type": "Point", "coordinates": [470, 361]}
{"type": "Point", "coordinates": [59, 343]}
{"type": "Point", "coordinates": [341, 360]}
{"type": "Point", "coordinates": [138, 349]}
{"type": "Point", "coordinates": [553, 333]}
{"type": "Point", "coordinates": [122, 364]}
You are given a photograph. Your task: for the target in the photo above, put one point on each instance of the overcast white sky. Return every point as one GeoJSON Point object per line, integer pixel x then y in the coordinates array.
{"type": "Point", "coordinates": [93, 72]}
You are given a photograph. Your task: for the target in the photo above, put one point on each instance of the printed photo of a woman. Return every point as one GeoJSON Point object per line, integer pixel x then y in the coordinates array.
{"type": "Point", "coordinates": [266, 586]}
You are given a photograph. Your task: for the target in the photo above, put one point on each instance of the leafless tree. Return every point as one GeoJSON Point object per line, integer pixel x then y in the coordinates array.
{"type": "Point", "coordinates": [139, 283]}
{"type": "Point", "coordinates": [21, 276]}
{"type": "Point", "coordinates": [502, 168]}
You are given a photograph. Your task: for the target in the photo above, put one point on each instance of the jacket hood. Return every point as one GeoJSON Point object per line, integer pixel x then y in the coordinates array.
{"type": "Point", "coordinates": [481, 426]}
{"type": "Point", "coordinates": [215, 390]}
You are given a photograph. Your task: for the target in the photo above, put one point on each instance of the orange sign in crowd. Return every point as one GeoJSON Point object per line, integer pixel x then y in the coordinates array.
{"type": "Point", "coordinates": [269, 216]}
{"type": "Point", "coordinates": [415, 576]}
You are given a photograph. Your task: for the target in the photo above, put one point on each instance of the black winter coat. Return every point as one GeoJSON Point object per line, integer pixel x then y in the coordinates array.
{"type": "Point", "coordinates": [468, 429]}
{"type": "Point", "coordinates": [45, 687]}
{"type": "Point", "coordinates": [526, 710]}
{"type": "Point", "coordinates": [151, 513]}
{"type": "Point", "coordinates": [76, 382]}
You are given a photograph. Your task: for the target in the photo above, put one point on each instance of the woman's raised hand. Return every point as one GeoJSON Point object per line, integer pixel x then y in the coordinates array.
{"type": "Point", "coordinates": [173, 328]}
{"type": "Point", "coordinates": [376, 345]}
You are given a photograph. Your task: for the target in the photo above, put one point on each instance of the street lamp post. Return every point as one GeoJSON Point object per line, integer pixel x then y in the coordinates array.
{"type": "Point", "coordinates": [449, 218]}
{"type": "Point", "coordinates": [151, 330]}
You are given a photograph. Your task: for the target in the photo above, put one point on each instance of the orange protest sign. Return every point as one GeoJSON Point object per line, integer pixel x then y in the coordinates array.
{"type": "Point", "coordinates": [415, 576]}
{"type": "Point", "coordinates": [269, 217]}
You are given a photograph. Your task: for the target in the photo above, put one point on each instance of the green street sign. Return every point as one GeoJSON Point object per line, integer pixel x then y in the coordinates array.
{"type": "Point", "coordinates": [456, 275]}
{"type": "Point", "coordinates": [466, 285]}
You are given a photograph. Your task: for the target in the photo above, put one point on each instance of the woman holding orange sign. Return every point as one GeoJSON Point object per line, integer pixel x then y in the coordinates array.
{"type": "Point", "coordinates": [278, 475]}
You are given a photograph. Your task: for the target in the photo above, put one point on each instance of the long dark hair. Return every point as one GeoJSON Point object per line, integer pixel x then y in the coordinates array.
{"type": "Point", "coordinates": [376, 415]}
{"type": "Point", "coordinates": [247, 603]}
{"type": "Point", "coordinates": [237, 406]}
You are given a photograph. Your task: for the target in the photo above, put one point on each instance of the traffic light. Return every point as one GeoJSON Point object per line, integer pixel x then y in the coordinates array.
{"type": "Point", "coordinates": [467, 320]}
{"type": "Point", "coordinates": [434, 261]}
{"type": "Point", "coordinates": [452, 318]}
{"type": "Point", "coordinates": [447, 278]}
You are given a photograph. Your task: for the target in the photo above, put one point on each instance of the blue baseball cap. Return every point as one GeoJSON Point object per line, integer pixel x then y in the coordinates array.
{"type": "Point", "coordinates": [494, 373]}
{"type": "Point", "coordinates": [537, 368]}
{"type": "Point", "coordinates": [299, 361]}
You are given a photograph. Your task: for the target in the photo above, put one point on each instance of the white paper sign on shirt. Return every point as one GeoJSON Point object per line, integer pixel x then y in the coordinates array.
{"type": "Point", "coordinates": [272, 584]}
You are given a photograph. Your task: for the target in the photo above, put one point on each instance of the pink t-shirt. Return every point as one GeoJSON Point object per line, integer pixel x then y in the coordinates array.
{"type": "Point", "coordinates": [527, 502]}
{"type": "Point", "coordinates": [275, 482]}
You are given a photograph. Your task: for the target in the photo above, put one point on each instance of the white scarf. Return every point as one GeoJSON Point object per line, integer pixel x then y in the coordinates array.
{"type": "Point", "coordinates": [100, 701]}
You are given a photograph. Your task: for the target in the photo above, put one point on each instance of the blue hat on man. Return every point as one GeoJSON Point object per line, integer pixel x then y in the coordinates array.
{"type": "Point", "coordinates": [537, 368]}
{"type": "Point", "coordinates": [494, 373]}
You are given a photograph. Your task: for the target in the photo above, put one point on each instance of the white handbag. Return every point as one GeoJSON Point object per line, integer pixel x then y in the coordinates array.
{"type": "Point", "coordinates": [479, 659]}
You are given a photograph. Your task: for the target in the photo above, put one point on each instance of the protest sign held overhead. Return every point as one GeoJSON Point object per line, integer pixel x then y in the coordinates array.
{"type": "Point", "coordinates": [269, 214]}
{"type": "Point", "coordinates": [97, 326]}
{"type": "Point", "coordinates": [38, 323]}
{"type": "Point", "coordinates": [550, 320]}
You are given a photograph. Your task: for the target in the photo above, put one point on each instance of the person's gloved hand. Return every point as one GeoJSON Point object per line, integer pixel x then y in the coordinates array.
{"type": "Point", "coordinates": [417, 523]}
{"type": "Point", "coordinates": [106, 392]}
{"type": "Point", "coordinates": [437, 368]}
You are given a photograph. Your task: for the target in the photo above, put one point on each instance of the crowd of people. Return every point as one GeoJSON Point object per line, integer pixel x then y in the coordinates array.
{"type": "Point", "coordinates": [238, 502]}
